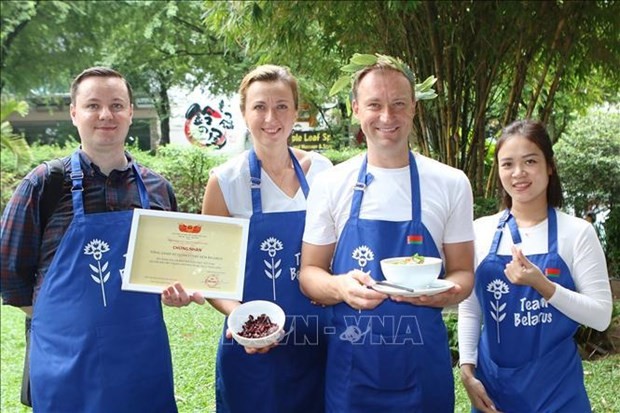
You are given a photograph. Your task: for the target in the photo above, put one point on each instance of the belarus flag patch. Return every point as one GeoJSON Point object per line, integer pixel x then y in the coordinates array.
{"type": "Point", "coordinates": [415, 239]}
{"type": "Point", "coordinates": [552, 272]}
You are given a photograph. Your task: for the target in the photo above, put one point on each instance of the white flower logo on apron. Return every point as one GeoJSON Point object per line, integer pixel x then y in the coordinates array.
{"type": "Point", "coordinates": [272, 245]}
{"type": "Point", "coordinates": [97, 248]}
{"type": "Point", "coordinates": [497, 288]}
{"type": "Point", "coordinates": [362, 255]}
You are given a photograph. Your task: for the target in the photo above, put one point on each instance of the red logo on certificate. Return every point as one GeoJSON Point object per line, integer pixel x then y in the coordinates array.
{"type": "Point", "coordinates": [190, 229]}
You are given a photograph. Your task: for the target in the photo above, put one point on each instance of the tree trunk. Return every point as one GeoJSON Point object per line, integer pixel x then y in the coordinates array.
{"type": "Point", "coordinates": [523, 59]}
{"type": "Point", "coordinates": [162, 104]}
{"type": "Point", "coordinates": [543, 76]}
{"type": "Point", "coordinates": [435, 42]}
{"type": "Point", "coordinates": [164, 115]}
{"type": "Point", "coordinates": [561, 66]}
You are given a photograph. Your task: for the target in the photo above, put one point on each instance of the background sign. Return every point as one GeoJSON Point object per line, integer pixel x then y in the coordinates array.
{"type": "Point", "coordinates": [310, 140]}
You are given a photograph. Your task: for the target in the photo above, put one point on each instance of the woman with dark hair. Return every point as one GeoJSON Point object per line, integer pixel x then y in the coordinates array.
{"type": "Point", "coordinates": [540, 273]}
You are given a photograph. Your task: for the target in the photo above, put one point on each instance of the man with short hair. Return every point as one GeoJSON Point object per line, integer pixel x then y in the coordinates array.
{"type": "Point", "coordinates": [94, 347]}
{"type": "Point", "coordinates": [387, 353]}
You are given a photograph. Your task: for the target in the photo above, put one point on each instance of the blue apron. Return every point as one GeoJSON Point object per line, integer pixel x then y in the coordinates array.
{"type": "Point", "coordinates": [528, 360]}
{"type": "Point", "coordinates": [96, 348]}
{"type": "Point", "coordinates": [290, 377]}
{"type": "Point", "coordinates": [394, 358]}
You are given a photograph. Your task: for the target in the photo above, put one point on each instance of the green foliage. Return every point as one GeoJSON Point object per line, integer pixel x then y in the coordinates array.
{"type": "Point", "coordinates": [450, 318]}
{"type": "Point", "coordinates": [494, 61]}
{"type": "Point", "coordinates": [187, 168]}
{"type": "Point", "coordinates": [10, 175]}
{"type": "Point", "coordinates": [194, 332]}
{"type": "Point", "coordinates": [15, 144]}
{"type": "Point", "coordinates": [612, 242]}
{"type": "Point", "coordinates": [337, 156]}
{"type": "Point", "coordinates": [8, 182]}
{"type": "Point", "coordinates": [595, 344]}
{"type": "Point", "coordinates": [604, 398]}
{"type": "Point", "coordinates": [485, 206]}
{"type": "Point", "coordinates": [165, 44]}
{"type": "Point", "coordinates": [44, 45]}
{"type": "Point", "coordinates": [588, 157]}
{"type": "Point", "coordinates": [423, 91]}
{"type": "Point", "coordinates": [41, 153]}
{"type": "Point", "coordinates": [156, 45]}
{"type": "Point", "coordinates": [10, 106]}
{"type": "Point", "coordinates": [358, 62]}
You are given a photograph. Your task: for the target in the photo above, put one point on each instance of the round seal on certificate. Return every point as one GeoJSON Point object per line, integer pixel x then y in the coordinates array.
{"type": "Point", "coordinates": [212, 281]}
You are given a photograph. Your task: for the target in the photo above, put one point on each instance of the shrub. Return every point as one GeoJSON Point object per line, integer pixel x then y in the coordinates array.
{"type": "Point", "coordinates": [612, 242]}
{"type": "Point", "coordinates": [186, 167]}
{"type": "Point", "coordinates": [450, 318]}
{"type": "Point", "coordinates": [485, 206]}
{"type": "Point", "coordinates": [587, 156]}
{"type": "Point", "coordinates": [337, 156]}
{"type": "Point", "coordinates": [595, 344]}
{"type": "Point", "coordinates": [10, 176]}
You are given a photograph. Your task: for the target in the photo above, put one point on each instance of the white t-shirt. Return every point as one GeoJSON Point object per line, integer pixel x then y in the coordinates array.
{"type": "Point", "coordinates": [447, 203]}
{"type": "Point", "coordinates": [580, 249]}
{"type": "Point", "coordinates": [234, 180]}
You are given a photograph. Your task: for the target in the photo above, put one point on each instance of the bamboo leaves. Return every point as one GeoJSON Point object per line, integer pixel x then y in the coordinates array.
{"type": "Point", "coordinates": [359, 62]}
{"type": "Point", "coordinates": [424, 90]}
{"type": "Point", "coordinates": [340, 84]}
{"type": "Point", "coordinates": [363, 60]}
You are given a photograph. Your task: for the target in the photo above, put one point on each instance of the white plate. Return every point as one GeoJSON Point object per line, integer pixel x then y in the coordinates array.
{"type": "Point", "coordinates": [436, 287]}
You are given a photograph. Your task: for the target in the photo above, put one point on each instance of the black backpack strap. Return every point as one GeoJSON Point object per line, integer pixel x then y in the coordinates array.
{"type": "Point", "coordinates": [25, 396]}
{"type": "Point", "coordinates": [52, 190]}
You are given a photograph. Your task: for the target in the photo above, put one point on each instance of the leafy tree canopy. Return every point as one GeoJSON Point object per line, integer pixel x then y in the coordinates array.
{"type": "Point", "coordinates": [156, 45]}
{"type": "Point", "coordinates": [9, 140]}
{"type": "Point", "coordinates": [495, 61]}
{"type": "Point", "coordinates": [588, 156]}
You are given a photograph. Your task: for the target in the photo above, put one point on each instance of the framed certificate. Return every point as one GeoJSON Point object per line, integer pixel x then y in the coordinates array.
{"type": "Point", "coordinates": [205, 253]}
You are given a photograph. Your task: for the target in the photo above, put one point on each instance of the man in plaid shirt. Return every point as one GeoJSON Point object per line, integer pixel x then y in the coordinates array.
{"type": "Point", "coordinates": [94, 347]}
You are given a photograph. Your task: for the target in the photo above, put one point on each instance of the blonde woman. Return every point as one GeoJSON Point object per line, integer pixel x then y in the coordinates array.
{"type": "Point", "coordinates": [268, 184]}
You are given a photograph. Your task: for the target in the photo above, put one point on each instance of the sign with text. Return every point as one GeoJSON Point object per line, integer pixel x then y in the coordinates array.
{"type": "Point", "coordinates": [310, 139]}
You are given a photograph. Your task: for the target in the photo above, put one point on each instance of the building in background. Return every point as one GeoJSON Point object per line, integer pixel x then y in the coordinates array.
{"type": "Point", "coordinates": [48, 121]}
{"type": "Point", "coordinates": [196, 118]}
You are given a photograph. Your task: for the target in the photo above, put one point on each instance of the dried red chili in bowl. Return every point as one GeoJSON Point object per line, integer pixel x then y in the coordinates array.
{"type": "Point", "coordinates": [256, 323]}
{"type": "Point", "coordinates": [257, 327]}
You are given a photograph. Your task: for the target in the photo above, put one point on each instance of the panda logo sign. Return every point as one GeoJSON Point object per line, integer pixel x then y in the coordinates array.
{"type": "Point", "coordinates": [207, 126]}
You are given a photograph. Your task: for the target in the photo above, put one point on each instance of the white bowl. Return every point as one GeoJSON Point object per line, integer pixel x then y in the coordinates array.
{"type": "Point", "coordinates": [241, 314]}
{"type": "Point", "coordinates": [411, 274]}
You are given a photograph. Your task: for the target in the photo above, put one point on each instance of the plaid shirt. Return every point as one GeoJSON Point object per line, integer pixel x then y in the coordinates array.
{"type": "Point", "coordinates": [27, 250]}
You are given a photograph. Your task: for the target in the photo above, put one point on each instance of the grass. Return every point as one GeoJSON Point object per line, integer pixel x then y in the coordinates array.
{"type": "Point", "coordinates": [194, 332]}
